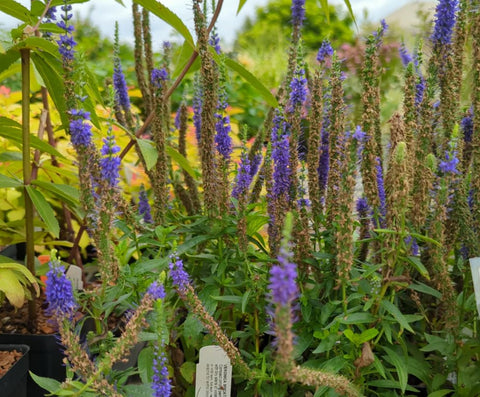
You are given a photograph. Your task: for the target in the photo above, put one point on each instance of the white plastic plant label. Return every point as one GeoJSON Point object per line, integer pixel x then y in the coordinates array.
{"type": "Point", "coordinates": [475, 268]}
{"type": "Point", "coordinates": [214, 373]}
{"type": "Point", "coordinates": [74, 274]}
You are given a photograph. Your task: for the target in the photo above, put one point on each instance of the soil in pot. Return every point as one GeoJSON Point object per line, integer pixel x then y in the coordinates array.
{"type": "Point", "coordinates": [13, 370]}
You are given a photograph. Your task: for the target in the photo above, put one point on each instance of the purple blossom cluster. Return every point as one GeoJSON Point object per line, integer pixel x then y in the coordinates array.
{"type": "Point", "coordinates": [215, 42]}
{"type": "Point", "coordinates": [298, 89]}
{"type": "Point", "coordinates": [156, 290]}
{"type": "Point", "coordinates": [80, 129]}
{"type": "Point", "coordinates": [298, 12]}
{"type": "Point", "coordinates": [179, 276]}
{"type": "Point", "coordinates": [412, 244]}
{"type": "Point", "coordinates": [160, 382]}
{"type": "Point", "coordinates": [110, 163]}
{"type": "Point", "coordinates": [66, 43]}
{"type": "Point", "coordinates": [405, 56]}
{"type": "Point", "coordinates": [283, 276]}
{"type": "Point", "coordinates": [59, 292]}
{"type": "Point", "coordinates": [467, 127]}
{"type": "Point", "coordinates": [449, 165]}
{"type": "Point", "coordinates": [144, 206]}
{"type": "Point", "coordinates": [243, 178]}
{"type": "Point", "coordinates": [445, 19]}
{"type": "Point", "coordinates": [381, 193]}
{"type": "Point", "coordinates": [159, 77]}
{"type": "Point", "coordinates": [255, 164]}
{"type": "Point", "coordinates": [363, 209]}
{"type": "Point", "coordinates": [222, 137]}
{"type": "Point", "coordinates": [281, 157]}
{"type": "Point", "coordinates": [120, 85]}
{"type": "Point", "coordinates": [324, 52]}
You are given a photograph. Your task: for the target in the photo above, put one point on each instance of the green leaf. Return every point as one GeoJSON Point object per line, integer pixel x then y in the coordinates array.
{"type": "Point", "coordinates": [245, 298]}
{"type": "Point", "coordinates": [399, 364]}
{"type": "Point", "coordinates": [15, 10]}
{"type": "Point", "coordinates": [44, 210]}
{"type": "Point", "coordinates": [182, 56]}
{"type": "Point", "coordinates": [67, 193]}
{"type": "Point", "coordinates": [49, 68]}
{"type": "Point", "coordinates": [149, 152]}
{"type": "Point", "coordinates": [145, 360]}
{"type": "Point", "coordinates": [440, 393]}
{"type": "Point", "coordinates": [349, 6]}
{"type": "Point", "coordinates": [12, 288]}
{"type": "Point", "coordinates": [425, 289]}
{"type": "Point", "coordinates": [356, 318]}
{"type": "Point", "coordinates": [237, 300]}
{"type": "Point", "coordinates": [252, 80]}
{"type": "Point", "coordinates": [188, 371]}
{"type": "Point", "coordinates": [326, 10]}
{"type": "Point", "coordinates": [418, 265]}
{"type": "Point", "coordinates": [167, 16]}
{"type": "Point", "coordinates": [14, 134]}
{"type": "Point", "coordinates": [180, 160]}
{"type": "Point", "coordinates": [390, 384]}
{"type": "Point", "coordinates": [6, 181]}
{"type": "Point", "coordinates": [38, 43]}
{"type": "Point", "coordinates": [240, 5]}
{"type": "Point", "coordinates": [397, 314]}
{"type": "Point", "coordinates": [359, 339]}
{"type": "Point", "coordinates": [143, 390]}
{"type": "Point", "coordinates": [48, 384]}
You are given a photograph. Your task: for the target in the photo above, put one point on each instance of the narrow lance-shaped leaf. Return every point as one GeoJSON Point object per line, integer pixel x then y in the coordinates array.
{"type": "Point", "coordinates": [149, 152]}
{"type": "Point", "coordinates": [180, 160]}
{"type": "Point", "coordinates": [45, 210]}
{"type": "Point", "coordinates": [6, 181]}
{"type": "Point", "coordinates": [15, 10]}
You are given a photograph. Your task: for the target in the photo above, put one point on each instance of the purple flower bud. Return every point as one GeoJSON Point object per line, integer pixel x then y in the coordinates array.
{"type": "Point", "coordinates": [215, 42]}
{"type": "Point", "coordinates": [281, 157]}
{"type": "Point", "coordinates": [405, 56]}
{"type": "Point", "coordinates": [467, 127]}
{"type": "Point", "coordinates": [80, 131]}
{"type": "Point", "coordinates": [120, 85]}
{"type": "Point", "coordinates": [159, 76]}
{"type": "Point", "coordinates": [363, 208]}
{"type": "Point", "coordinates": [359, 135]}
{"type": "Point", "coordinates": [298, 87]}
{"type": "Point", "coordinates": [222, 137]}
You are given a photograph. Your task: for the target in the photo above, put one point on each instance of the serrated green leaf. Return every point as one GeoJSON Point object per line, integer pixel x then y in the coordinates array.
{"type": "Point", "coordinates": [44, 210]}
{"type": "Point", "coordinates": [6, 181]}
{"type": "Point", "coordinates": [149, 152]}
{"type": "Point", "coordinates": [400, 365]}
{"type": "Point", "coordinates": [167, 16]}
{"type": "Point", "coordinates": [48, 384]}
{"type": "Point", "coordinates": [180, 160]}
{"type": "Point", "coordinates": [397, 314]}
{"type": "Point", "coordinates": [251, 79]}
{"type": "Point", "coordinates": [15, 10]}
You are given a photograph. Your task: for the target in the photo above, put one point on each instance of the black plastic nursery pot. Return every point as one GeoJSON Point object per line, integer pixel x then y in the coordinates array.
{"type": "Point", "coordinates": [45, 357]}
{"type": "Point", "coordinates": [14, 382]}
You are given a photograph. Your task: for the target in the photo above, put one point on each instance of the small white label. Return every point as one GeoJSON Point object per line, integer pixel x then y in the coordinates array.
{"type": "Point", "coordinates": [475, 268]}
{"type": "Point", "coordinates": [74, 274]}
{"type": "Point", "coordinates": [214, 373]}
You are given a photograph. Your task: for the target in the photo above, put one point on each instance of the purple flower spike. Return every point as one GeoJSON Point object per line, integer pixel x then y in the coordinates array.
{"type": "Point", "coordinates": [144, 206]}
{"type": "Point", "coordinates": [215, 42]}
{"type": "Point", "coordinates": [363, 208]}
{"type": "Point", "coordinates": [159, 76]}
{"type": "Point", "coordinates": [445, 18]}
{"type": "Point", "coordinates": [243, 178]}
{"type": "Point", "coordinates": [298, 86]}
{"type": "Point", "coordinates": [467, 127]}
{"type": "Point", "coordinates": [298, 12]}
{"type": "Point", "coordinates": [120, 85]}
{"type": "Point", "coordinates": [222, 137]}
{"type": "Point", "coordinates": [110, 164]}
{"type": "Point", "coordinates": [405, 56]}
{"type": "Point", "coordinates": [160, 383]}
{"type": "Point", "coordinates": [449, 165]}
{"type": "Point", "coordinates": [283, 286]}
{"type": "Point", "coordinates": [197, 110]}
{"type": "Point", "coordinates": [325, 51]}
{"type": "Point", "coordinates": [59, 292]}
{"type": "Point", "coordinates": [156, 290]}
{"type": "Point", "coordinates": [381, 193]}
{"type": "Point", "coordinates": [281, 172]}
{"type": "Point", "coordinates": [180, 277]}
{"type": "Point", "coordinates": [359, 135]}
{"type": "Point", "coordinates": [80, 130]}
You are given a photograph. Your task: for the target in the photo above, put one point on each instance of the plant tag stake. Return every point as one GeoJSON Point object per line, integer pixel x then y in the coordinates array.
{"type": "Point", "coordinates": [475, 268]}
{"type": "Point", "coordinates": [214, 373]}
{"type": "Point", "coordinates": [74, 274]}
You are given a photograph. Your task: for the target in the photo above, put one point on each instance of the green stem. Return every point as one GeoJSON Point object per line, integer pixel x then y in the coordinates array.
{"type": "Point", "coordinates": [27, 175]}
